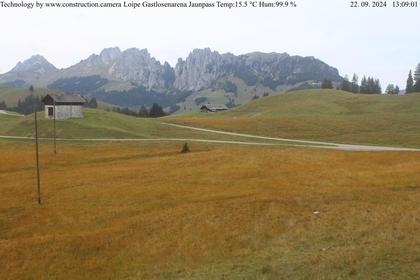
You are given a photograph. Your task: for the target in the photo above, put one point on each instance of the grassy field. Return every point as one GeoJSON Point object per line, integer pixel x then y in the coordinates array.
{"type": "Point", "coordinates": [143, 210]}
{"type": "Point", "coordinates": [130, 211]}
{"type": "Point", "coordinates": [98, 124]}
{"type": "Point", "coordinates": [325, 115]}
{"type": "Point", "coordinates": [95, 124]}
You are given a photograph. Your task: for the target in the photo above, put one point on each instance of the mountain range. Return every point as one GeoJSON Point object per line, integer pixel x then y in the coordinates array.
{"type": "Point", "coordinates": [133, 77]}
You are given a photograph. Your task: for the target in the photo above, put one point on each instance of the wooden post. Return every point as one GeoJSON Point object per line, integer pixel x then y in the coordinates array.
{"type": "Point", "coordinates": [55, 135]}
{"type": "Point", "coordinates": [38, 181]}
{"type": "Point", "coordinates": [37, 159]}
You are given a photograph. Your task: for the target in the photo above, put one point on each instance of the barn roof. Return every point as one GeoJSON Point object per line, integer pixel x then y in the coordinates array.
{"type": "Point", "coordinates": [64, 99]}
{"type": "Point", "coordinates": [214, 107]}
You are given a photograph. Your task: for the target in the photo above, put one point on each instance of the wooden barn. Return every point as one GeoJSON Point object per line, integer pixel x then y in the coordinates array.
{"type": "Point", "coordinates": [213, 108]}
{"type": "Point", "coordinates": [66, 106]}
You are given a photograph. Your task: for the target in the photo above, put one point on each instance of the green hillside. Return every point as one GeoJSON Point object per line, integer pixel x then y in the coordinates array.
{"type": "Point", "coordinates": [326, 115]}
{"type": "Point", "coordinates": [98, 124]}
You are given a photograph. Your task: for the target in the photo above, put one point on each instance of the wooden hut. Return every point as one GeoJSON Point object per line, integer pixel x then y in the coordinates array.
{"type": "Point", "coordinates": [66, 106]}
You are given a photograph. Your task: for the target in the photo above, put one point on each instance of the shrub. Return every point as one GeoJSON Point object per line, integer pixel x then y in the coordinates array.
{"type": "Point", "coordinates": [185, 149]}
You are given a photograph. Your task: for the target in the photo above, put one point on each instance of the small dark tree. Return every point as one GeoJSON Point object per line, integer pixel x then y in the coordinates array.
{"type": "Point", "coordinates": [3, 105]}
{"type": "Point", "coordinates": [397, 90]}
{"type": "Point", "coordinates": [377, 86]}
{"type": "Point", "coordinates": [345, 84]}
{"type": "Point", "coordinates": [156, 111]}
{"type": "Point", "coordinates": [355, 84]}
{"type": "Point", "coordinates": [363, 85]}
{"type": "Point", "coordinates": [410, 83]}
{"type": "Point", "coordinates": [143, 113]}
{"type": "Point", "coordinates": [93, 103]}
{"type": "Point", "coordinates": [185, 148]}
{"type": "Point", "coordinates": [327, 84]}
{"type": "Point", "coordinates": [255, 97]}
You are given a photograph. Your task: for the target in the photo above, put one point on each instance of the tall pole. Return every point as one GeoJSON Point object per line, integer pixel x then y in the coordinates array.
{"type": "Point", "coordinates": [55, 135]}
{"type": "Point", "coordinates": [37, 159]}
{"type": "Point", "coordinates": [38, 181]}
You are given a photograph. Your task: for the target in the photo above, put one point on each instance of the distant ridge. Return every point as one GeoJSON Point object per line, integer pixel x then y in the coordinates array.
{"type": "Point", "coordinates": [221, 78]}
{"type": "Point", "coordinates": [199, 70]}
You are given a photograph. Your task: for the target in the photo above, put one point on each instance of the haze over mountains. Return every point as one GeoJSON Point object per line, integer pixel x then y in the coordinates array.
{"type": "Point", "coordinates": [133, 77]}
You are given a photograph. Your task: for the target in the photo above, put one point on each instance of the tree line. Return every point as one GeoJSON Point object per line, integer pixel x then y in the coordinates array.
{"type": "Point", "coordinates": [370, 85]}
{"type": "Point", "coordinates": [31, 103]}
{"type": "Point", "coordinates": [27, 105]}
{"type": "Point", "coordinates": [412, 85]}
{"type": "Point", "coordinates": [155, 111]}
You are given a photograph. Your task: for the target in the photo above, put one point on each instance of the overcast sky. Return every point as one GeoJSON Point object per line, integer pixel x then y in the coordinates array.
{"type": "Point", "coordinates": [381, 42]}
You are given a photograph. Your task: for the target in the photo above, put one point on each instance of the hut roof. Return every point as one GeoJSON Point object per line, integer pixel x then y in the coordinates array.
{"type": "Point", "coordinates": [214, 107]}
{"type": "Point", "coordinates": [64, 99]}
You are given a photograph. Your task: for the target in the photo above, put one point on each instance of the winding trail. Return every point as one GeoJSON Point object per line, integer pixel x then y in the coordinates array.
{"type": "Point", "coordinates": [151, 140]}
{"type": "Point", "coordinates": [299, 143]}
{"type": "Point", "coordinates": [304, 143]}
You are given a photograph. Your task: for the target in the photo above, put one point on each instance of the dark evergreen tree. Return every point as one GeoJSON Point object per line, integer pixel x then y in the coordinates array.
{"type": "Point", "coordinates": [327, 84]}
{"type": "Point", "coordinates": [3, 105]}
{"type": "Point", "coordinates": [355, 84]}
{"type": "Point", "coordinates": [143, 113]}
{"type": "Point", "coordinates": [156, 111]}
{"type": "Point", "coordinates": [377, 87]}
{"type": "Point", "coordinates": [397, 90]}
{"type": "Point", "coordinates": [363, 85]}
{"type": "Point", "coordinates": [92, 103]}
{"type": "Point", "coordinates": [410, 83]}
{"type": "Point", "coordinates": [345, 84]}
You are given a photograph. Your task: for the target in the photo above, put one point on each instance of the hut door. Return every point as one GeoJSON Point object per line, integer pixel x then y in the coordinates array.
{"type": "Point", "coordinates": [50, 111]}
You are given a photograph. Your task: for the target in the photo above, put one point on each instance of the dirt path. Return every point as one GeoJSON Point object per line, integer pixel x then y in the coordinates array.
{"type": "Point", "coordinates": [10, 114]}
{"type": "Point", "coordinates": [150, 140]}
{"type": "Point", "coordinates": [304, 143]}
{"type": "Point", "coordinates": [299, 143]}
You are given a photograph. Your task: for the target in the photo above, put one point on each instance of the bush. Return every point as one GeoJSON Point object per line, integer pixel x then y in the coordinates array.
{"type": "Point", "coordinates": [185, 149]}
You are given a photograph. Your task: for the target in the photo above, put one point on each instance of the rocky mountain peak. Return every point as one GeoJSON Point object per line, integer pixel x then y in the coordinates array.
{"type": "Point", "coordinates": [36, 64]}
{"type": "Point", "coordinates": [110, 55]}
{"type": "Point", "coordinates": [200, 69]}
{"type": "Point", "coordinates": [132, 65]}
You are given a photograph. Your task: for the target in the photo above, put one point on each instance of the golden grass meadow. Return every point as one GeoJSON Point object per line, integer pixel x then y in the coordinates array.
{"type": "Point", "coordinates": [146, 211]}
